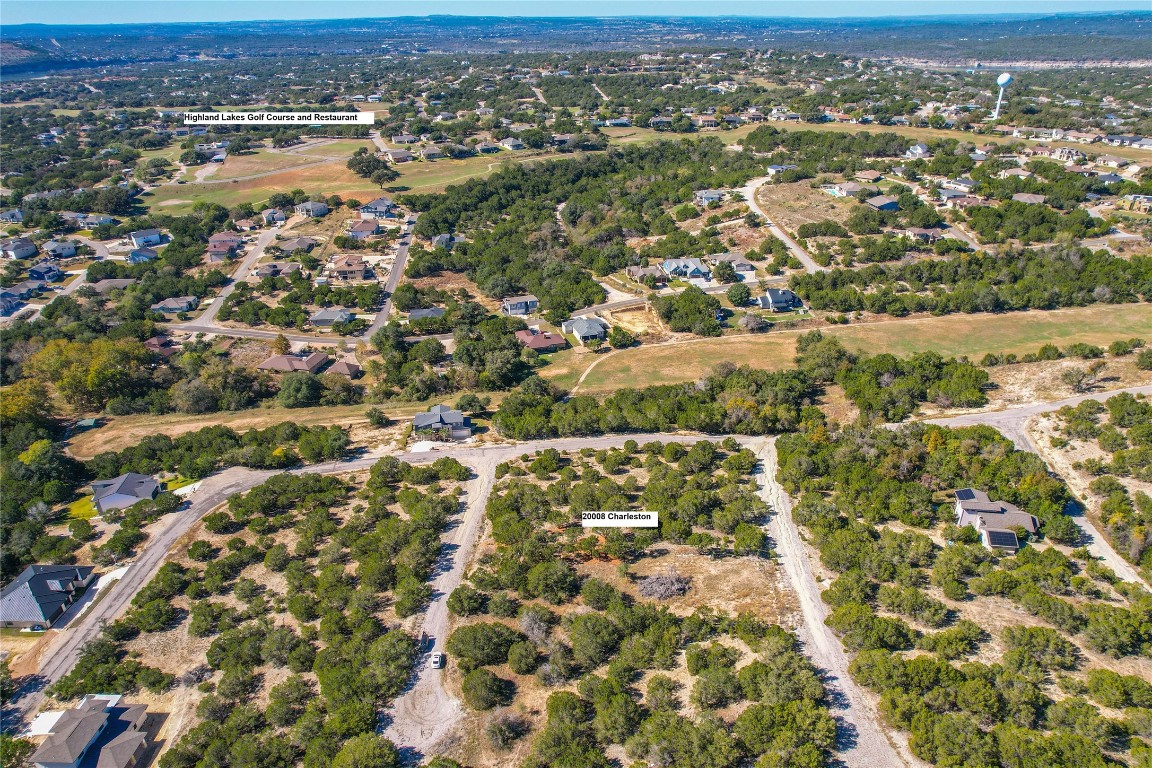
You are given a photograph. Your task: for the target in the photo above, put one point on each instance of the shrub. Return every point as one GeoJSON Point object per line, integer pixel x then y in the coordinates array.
{"type": "Point", "coordinates": [484, 690]}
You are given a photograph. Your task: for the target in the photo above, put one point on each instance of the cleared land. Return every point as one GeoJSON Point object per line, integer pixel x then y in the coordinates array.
{"type": "Point", "coordinates": [260, 161]}
{"type": "Point", "coordinates": [332, 178]}
{"type": "Point", "coordinates": [340, 147]}
{"type": "Point", "coordinates": [971, 335]}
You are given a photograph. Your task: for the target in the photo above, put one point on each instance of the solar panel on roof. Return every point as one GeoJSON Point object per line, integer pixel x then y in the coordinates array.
{"type": "Point", "coordinates": [1002, 539]}
{"type": "Point", "coordinates": [965, 494]}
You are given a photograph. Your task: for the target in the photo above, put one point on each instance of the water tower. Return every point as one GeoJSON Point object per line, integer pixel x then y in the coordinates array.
{"type": "Point", "coordinates": [1003, 81]}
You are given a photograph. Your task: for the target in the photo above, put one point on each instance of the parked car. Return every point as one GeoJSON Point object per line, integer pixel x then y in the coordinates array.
{"type": "Point", "coordinates": [439, 661]}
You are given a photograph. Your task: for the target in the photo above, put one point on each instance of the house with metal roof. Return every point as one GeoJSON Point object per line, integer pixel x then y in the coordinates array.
{"type": "Point", "coordinates": [123, 491]}
{"type": "Point", "coordinates": [996, 521]}
{"type": "Point", "coordinates": [442, 420]}
{"type": "Point", "coordinates": [41, 594]}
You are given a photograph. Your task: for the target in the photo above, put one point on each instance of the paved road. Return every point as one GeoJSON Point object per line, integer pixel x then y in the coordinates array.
{"type": "Point", "coordinates": [394, 276]}
{"type": "Point", "coordinates": [206, 323]}
{"type": "Point", "coordinates": [749, 193]}
{"type": "Point", "coordinates": [1013, 424]}
{"type": "Point", "coordinates": [862, 741]}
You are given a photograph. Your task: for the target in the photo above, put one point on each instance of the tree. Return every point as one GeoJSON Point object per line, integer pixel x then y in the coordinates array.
{"type": "Point", "coordinates": [367, 750]}
{"type": "Point", "coordinates": [619, 338]}
{"type": "Point", "coordinates": [281, 345]}
{"type": "Point", "coordinates": [725, 273]}
{"type": "Point", "coordinates": [300, 390]}
{"type": "Point", "coordinates": [739, 294]}
{"type": "Point", "coordinates": [484, 690]}
{"type": "Point", "coordinates": [1083, 379]}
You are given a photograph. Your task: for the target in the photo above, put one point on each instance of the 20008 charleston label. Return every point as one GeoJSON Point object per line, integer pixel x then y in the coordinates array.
{"type": "Point", "coordinates": [616, 519]}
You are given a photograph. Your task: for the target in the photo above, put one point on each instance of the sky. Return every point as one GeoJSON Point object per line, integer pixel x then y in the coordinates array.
{"type": "Point", "coordinates": [143, 11]}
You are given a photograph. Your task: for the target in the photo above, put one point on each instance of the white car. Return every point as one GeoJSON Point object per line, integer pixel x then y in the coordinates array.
{"type": "Point", "coordinates": [439, 661]}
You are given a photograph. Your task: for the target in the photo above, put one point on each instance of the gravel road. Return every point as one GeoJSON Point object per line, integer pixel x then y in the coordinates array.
{"type": "Point", "coordinates": [863, 741]}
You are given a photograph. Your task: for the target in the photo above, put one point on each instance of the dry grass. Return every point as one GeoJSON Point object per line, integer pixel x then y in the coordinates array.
{"type": "Point", "coordinates": [260, 161]}
{"type": "Point", "coordinates": [791, 205]}
{"type": "Point", "coordinates": [952, 335]}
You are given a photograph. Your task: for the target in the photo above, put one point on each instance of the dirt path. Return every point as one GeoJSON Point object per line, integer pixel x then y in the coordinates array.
{"type": "Point", "coordinates": [862, 741]}
{"type": "Point", "coordinates": [426, 713]}
{"type": "Point", "coordinates": [601, 92]}
{"type": "Point", "coordinates": [749, 193]}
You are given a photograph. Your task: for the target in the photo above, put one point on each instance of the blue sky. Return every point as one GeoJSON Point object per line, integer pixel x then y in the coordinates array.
{"type": "Point", "coordinates": [136, 11]}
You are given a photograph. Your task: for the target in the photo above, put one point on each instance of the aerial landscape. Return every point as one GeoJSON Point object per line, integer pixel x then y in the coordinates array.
{"type": "Point", "coordinates": [621, 385]}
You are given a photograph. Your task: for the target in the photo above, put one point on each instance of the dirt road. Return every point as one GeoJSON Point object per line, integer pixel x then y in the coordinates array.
{"type": "Point", "coordinates": [749, 193]}
{"type": "Point", "coordinates": [425, 714]}
{"type": "Point", "coordinates": [862, 741]}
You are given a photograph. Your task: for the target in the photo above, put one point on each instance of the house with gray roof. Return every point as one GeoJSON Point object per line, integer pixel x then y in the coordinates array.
{"type": "Point", "coordinates": [312, 209]}
{"type": "Point", "coordinates": [98, 731]}
{"type": "Point", "coordinates": [18, 248]}
{"type": "Point", "coordinates": [46, 271]}
{"type": "Point", "coordinates": [326, 318]}
{"type": "Point", "coordinates": [142, 255]}
{"type": "Point", "coordinates": [143, 237]}
{"type": "Point", "coordinates": [440, 420]}
{"type": "Point", "coordinates": [176, 305]}
{"type": "Point", "coordinates": [113, 283]}
{"type": "Point", "coordinates": [123, 491]}
{"type": "Point", "coordinates": [380, 208]}
{"type": "Point", "coordinates": [686, 268]}
{"type": "Point", "coordinates": [708, 196]}
{"type": "Point", "coordinates": [41, 594]}
{"type": "Point", "coordinates": [292, 363]}
{"type": "Point", "coordinates": [520, 305]}
{"type": "Point", "coordinates": [642, 275]}
{"type": "Point", "coordinates": [737, 260]}
{"type": "Point", "coordinates": [59, 249]}
{"type": "Point", "coordinates": [585, 329]}
{"type": "Point", "coordinates": [426, 314]}
{"type": "Point", "coordinates": [997, 522]}
{"type": "Point", "coordinates": [779, 300]}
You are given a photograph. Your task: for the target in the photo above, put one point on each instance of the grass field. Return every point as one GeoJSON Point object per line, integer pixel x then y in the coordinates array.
{"type": "Point", "coordinates": [435, 176]}
{"type": "Point", "coordinates": [954, 335]}
{"type": "Point", "coordinates": [338, 148]}
{"type": "Point", "coordinates": [324, 178]}
{"type": "Point", "coordinates": [260, 161]}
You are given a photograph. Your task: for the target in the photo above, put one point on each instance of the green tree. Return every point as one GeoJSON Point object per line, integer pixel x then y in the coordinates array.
{"type": "Point", "coordinates": [367, 750]}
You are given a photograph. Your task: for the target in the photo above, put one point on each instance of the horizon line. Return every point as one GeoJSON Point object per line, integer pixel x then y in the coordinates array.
{"type": "Point", "coordinates": [598, 17]}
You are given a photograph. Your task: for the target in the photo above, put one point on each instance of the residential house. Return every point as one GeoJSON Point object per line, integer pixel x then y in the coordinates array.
{"type": "Point", "coordinates": [520, 305]}
{"type": "Point", "coordinates": [363, 229]}
{"type": "Point", "coordinates": [348, 368]}
{"type": "Point", "coordinates": [1018, 173]}
{"type": "Point", "coordinates": [41, 593]}
{"type": "Point", "coordinates": [1109, 178]}
{"type": "Point", "coordinates": [642, 275]}
{"type": "Point", "coordinates": [142, 255]}
{"type": "Point", "coordinates": [349, 266]}
{"type": "Point", "coordinates": [779, 300]}
{"type": "Point", "coordinates": [431, 153]}
{"type": "Point", "coordinates": [512, 143]}
{"type": "Point", "coordinates": [426, 314]}
{"type": "Point", "coordinates": [1029, 198]}
{"type": "Point", "coordinates": [775, 170]}
{"type": "Point", "coordinates": [12, 216]}
{"type": "Point", "coordinates": [849, 189]}
{"type": "Point", "coordinates": [562, 139]}
{"type": "Point", "coordinates": [586, 329]}
{"type": "Point", "coordinates": [145, 237]}
{"type": "Point", "coordinates": [326, 318]}
{"type": "Point", "coordinates": [312, 209]}
{"type": "Point", "coordinates": [918, 151]}
{"type": "Point", "coordinates": [705, 121]}
{"type": "Point", "coordinates": [246, 225]}
{"type": "Point", "coordinates": [123, 491]}
{"type": "Point", "coordinates": [46, 271]}
{"type": "Point", "coordinates": [98, 732]}
{"type": "Point", "coordinates": [304, 244]}
{"type": "Point", "coordinates": [922, 235]}
{"type": "Point", "coordinates": [869, 176]}
{"type": "Point", "coordinates": [27, 289]}
{"type": "Point", "coordinates": [618, 122]}
{"type": "Point", "coordinates": [883, 203]}
{"type": "Point", "coordinates": [9, 302]}
{"type": "Point", "coordinates": [965, 185]}
{"type": "Point", "coordinates": [998, 522]}
{"type": "Point", "coordinates": [708, 196]}
{"type": "Point", "coordinates": [273, 216]}
{"type": "Point", "coordinates": [176, 305]}
{"type": "Point", "coordinates": [274, 269]}
{"type": "Point", "coordinates": [59, 249]}
{"type": "Point", "coordinates": [162, 345]}
{"type": "Point", "coordinates": [444, 241]}
{"type": "Point", "coordinates": [229, 240]}
{"type": "Point", "coordinates": [964, 203]}
{"type": "Point", "coordinates": [685, 268]}
{"type": "Point", "coordinates": [380, 208]}
{"type": "Point", "coordinates": [104, 287]}
{"type": "Point", "coordinates": [18, 248]}
{"type": "Point", "coordinates": [660, 123]}
{"type": "Point", "coordinates": [399, 155]}
{"type": "Point", "coordinates": [487, 147]}
{"type": "Point", "coordinates": [737, 260]}
{"type": "Point", "coordinates": [440, 420]}
{"type": "Point", "coordinates": [541, 341]}
{"type": "Point", "coordinates": [1112, 161]}
{"type": "Point", "coordinates": [310, 363]}
{"type": "Point", "coordinates": [404, 138]}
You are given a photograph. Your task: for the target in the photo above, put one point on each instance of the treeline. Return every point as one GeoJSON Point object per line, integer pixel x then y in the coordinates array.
{"type": "Point", "coordinates": [743, 400]}
{"type": "Point", "coordinates": [1016, 280]}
